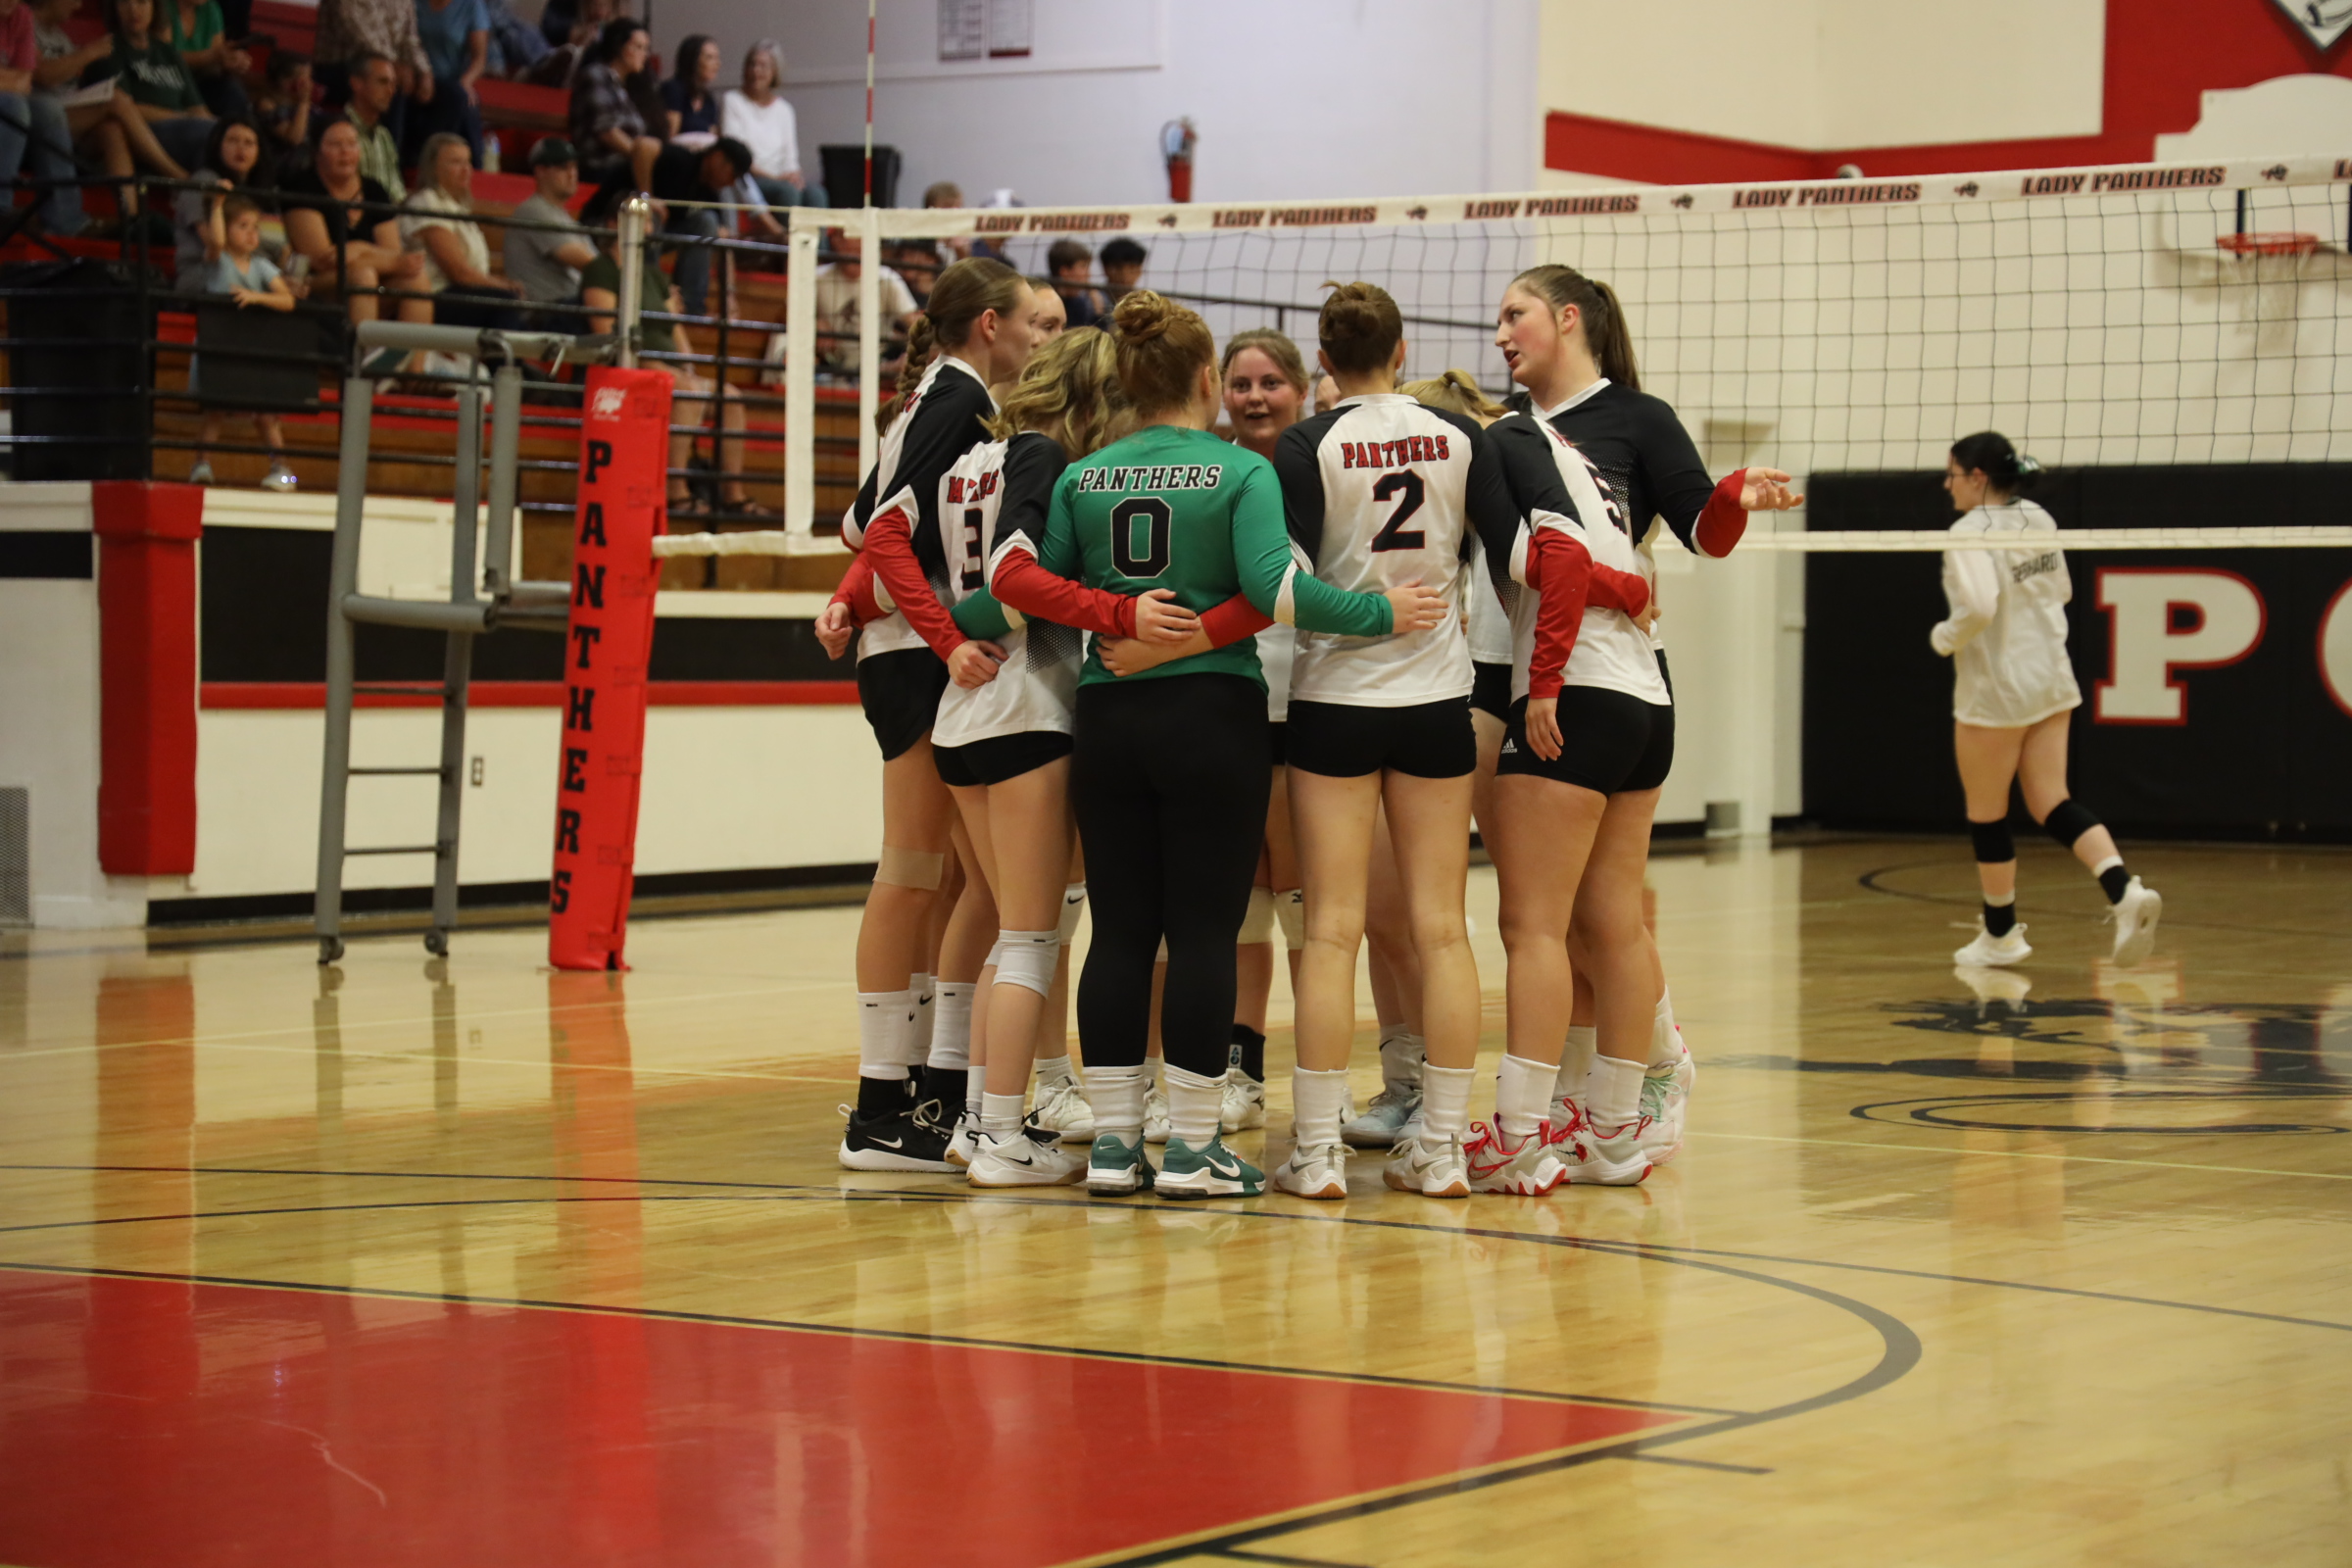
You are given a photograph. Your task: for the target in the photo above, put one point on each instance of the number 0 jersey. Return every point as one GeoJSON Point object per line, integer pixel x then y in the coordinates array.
{"type": "Point", "coordinates": [1380, 493]}
{"type": "Point", "coordinates": [997, 494]}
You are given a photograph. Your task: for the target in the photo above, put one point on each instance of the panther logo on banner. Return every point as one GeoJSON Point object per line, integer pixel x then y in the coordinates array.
{"type": "Point", "coordinates": [2324, 21]}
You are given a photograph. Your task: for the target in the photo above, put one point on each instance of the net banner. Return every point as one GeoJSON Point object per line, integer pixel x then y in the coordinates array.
{"type": "Point", "coordinates": [624, 450]}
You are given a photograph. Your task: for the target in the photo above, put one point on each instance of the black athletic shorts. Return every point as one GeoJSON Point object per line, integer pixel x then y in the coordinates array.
{"type": "Point", "coordinates": [900, 691]}
{"type": "Point", "coordinates": [1609, 742]}
{"type": "Point", "coordinates": [1280, 731]}
{"type": "Point", "coordinates": [1491, 690]}
{"type": "Point", "coordinates": [997, 758]}
{"type": "Point", "coordinates": [1427, 740]}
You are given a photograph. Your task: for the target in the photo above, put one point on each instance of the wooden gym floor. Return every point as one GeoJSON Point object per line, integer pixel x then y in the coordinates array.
{"type": "Point", "coordinates": [479, 1264]}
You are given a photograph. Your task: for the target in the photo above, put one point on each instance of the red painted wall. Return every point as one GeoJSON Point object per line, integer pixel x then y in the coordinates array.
{"type": "Point", "coordinates": [2161, 56]}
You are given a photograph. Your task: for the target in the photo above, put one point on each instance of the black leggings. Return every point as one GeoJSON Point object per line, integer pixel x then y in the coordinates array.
{"type": "Point", "coordinates": [1169, 779]}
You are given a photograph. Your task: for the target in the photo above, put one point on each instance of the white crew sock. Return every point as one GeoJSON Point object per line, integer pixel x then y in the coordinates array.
{"type": "Point", "coordinates": [1576, 1059]}
{"type": "Point", "coordinates": [1522, 1095]}
{"type": "Point", "coordinates": [885, 1031]}
{"type": "Point", "coordinates": [1665, 1038]}
{"type": "Point", "coordinates": [1054, 1070]}
{"type": "Point", "coordinates": [1612, 1093]}
{"type": "Point", "coordinates": [950, 1048]}
{"type": "Point", "coordinates": [926, 1008]}
{"type": "Point", "coordinates": [1401, 1052]}
{"type": "Point", "coordinates": [1315, 1101]}
{"type": "Point", "coordinates": [975, 1085]}
{"type": "Point", "coordinates": [1117, 1096]}
{"type": "Point", "coordinates": [1446, 1099]}
{"type": "Point", "coordinates": [1152, 1066]}
{"type": "Point", "coordinates": [1193, 1104]}
{"type": "Point", "coordinates": [1001, 1116]}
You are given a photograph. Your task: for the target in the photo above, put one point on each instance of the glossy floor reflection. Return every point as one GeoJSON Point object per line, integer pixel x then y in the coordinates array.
{"type": "Point", "coordinates": [474, 1263]}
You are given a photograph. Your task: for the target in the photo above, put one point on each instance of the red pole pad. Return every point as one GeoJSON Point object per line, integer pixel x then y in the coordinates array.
{"type": "Point", "coordinates": [625, 456]}
{"type": "Point", "coordinates": [147, 538]}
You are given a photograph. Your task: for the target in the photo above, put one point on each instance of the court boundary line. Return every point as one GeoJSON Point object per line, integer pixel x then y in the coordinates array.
{"type": "Point", "coordinates": [2025, 1153]}
{"type": "Point", "coordinates": [1867, 880]}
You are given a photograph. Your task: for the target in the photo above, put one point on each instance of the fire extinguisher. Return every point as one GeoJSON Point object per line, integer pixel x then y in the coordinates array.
{"type": "Point", "coordinates": [1176, 141]}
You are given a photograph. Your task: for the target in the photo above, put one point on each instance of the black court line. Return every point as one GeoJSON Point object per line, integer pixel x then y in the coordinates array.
{"type": "Point", "coordinates": [1237, 1555]}
{"type": "Point", "coordinates": [1700, 1464]}
{"type": "Point", "coordinates": [1935, 1111]}
{"type": "Point", "coordinates": [936, 1197]}
{"type": "Point", "coordinates": [1869, 880]}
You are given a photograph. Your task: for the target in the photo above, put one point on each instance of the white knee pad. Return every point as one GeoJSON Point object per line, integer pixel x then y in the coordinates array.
{"type": "Point", "coordinates": [1073, 900]}
{"type": "Point", "coordinates": [1290, 909]}
{"type": "Point", "coordinates": [1026, 959]}
{"type": "Point", "coordinates": [911, 869]}
{"type": "Point", "coordinates": [1258, 924]}
{"type": "Point", "coordinates": [996, 956]}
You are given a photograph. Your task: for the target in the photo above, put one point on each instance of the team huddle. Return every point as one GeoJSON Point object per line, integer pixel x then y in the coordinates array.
{"type": "Point", "coordinates": [1230, 689]}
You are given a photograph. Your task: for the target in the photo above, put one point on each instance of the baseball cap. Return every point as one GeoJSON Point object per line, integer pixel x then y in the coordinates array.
{"type": "Point", "coordinates": [553, 150]}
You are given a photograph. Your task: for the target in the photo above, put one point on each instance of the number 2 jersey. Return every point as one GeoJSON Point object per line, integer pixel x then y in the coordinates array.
{"type": "Point", "coordinates": [1381, 492]}
{"type": "Point", "coordinates": [992, 500]}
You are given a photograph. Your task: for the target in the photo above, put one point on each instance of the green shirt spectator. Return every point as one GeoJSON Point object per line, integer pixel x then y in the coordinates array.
{"type": "Point", "coordinates": [658, 337]}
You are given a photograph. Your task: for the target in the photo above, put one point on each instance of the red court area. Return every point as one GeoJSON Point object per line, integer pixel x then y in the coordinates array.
{"type": "Point", "coordinates": [152, 1421]}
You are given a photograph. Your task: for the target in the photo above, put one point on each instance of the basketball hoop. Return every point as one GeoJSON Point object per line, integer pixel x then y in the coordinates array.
{"type": "Point", "coordinates": [2274, 244]}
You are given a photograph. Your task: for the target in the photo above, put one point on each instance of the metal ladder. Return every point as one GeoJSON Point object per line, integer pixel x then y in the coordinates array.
{"type": "Point", "coordinates": [473, 608]}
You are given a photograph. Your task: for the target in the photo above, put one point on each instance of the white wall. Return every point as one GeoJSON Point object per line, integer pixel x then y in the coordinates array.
{"type": "Point", "coordinates": [1308, 98]}
{"type": "Point", "coordinates": [1830, 74]}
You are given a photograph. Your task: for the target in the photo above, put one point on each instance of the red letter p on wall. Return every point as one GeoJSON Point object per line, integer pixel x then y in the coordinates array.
{"type": "Point", "coordinates": [2162, 619]}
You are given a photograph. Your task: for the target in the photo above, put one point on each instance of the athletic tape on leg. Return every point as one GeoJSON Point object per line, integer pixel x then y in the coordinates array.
{"type": "Point", "coordinates": [911, 869]}
{"type": "Point", "coordinates": [1994, 844]}
{"type": "Point", "coordinates": [1026, 959]}
{"type": "Point", "coordinates": [1289, 910]}
{"type": "Point", "coordinates": [1258, 924]}
{"type": "Point", "coordinates": [2069, 821]}
{"type": "Point", "coordinates": [624, 448]}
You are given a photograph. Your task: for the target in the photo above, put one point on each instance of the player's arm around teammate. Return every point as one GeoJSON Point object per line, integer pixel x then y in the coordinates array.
{"type": "Point", "coordinates": [975, 334]}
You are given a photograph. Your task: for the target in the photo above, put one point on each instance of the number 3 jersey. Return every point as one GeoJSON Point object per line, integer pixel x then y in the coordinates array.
{"type": "Point", "coordinates": [991, 500]}
{"type": "Point", "coordinates": [1381, 493]}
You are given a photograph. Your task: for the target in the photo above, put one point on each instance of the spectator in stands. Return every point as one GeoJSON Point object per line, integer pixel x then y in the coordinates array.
{"type": "Point", "coordinates": [438, 224]}
{"type": "Point", "coordinates": [556, 20]}
{"type": "Point", "coordinates": [514, 46]}
{"type": "Point", "coordinates": [837, 318]}
{"type": "Point", "coordinates": [685, 177]}
{"type": "Point", "coordinates": [599, 292]}
{"type": "Point", "coordinates": [149, 72]}
{"type": "Point", "coordinates": [217, 66]}
{"type": "Point", "coordinates": [233, 159]}
{"type": "Point", "coordinates": [757, 116]}
{"type": "Point", "coordinates": [1072, 265]}
{"type": "Point", "coordinates": [456, 35]}
{"type": "Point", "coordinates": [1048, 317]}
{"type": "Point", "coordinates": [372, 116]}
{"type": "Point", "coordinates": [349, 30]}
{"type": "Point", "coordinates": [282, 111]}
{"type": "Point", "coordinates": [572, 47]}
{"type": "Point", "coordinates": [946, 194]}
{"type": "Point", "coordinates": [916, 262]}
{"type": "Point", "coordinates": [546, 258]}
{"type": "Point", "coordinates": [33, 133]}
{"type": "Point", "coordinates": [113, 130]}
{"type": "Point", "coordinates": [615, 148]}
{"type": "Point", "coordinates": [238, 269]}
{"type": "Point", "coordinates": [690, 99]}
{"type": "Point", "coordinates": [338, 217]}
{"type": "Point", "coordinates": [1122, 270]}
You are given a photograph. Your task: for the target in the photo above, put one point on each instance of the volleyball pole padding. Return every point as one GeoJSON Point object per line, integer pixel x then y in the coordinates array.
{"type": "Point", "coordinates": [624, 448]}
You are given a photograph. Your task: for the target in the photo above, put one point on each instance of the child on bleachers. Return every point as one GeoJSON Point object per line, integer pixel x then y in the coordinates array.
{"type": "Point", "coordinates": [242, 273]}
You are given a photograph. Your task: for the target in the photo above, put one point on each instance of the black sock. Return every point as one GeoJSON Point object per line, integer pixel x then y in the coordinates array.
{"type": "Point", "coordinates": [2000, 918]}
{"type": "Point", "coordinates": [1248, 1052]}
{"type": "Point", "coordinates": [881, 1097]}
{"type": "Point", "coordinates": [2113, 880]}
{"type": "Point", "coordinates": [947, 1084]}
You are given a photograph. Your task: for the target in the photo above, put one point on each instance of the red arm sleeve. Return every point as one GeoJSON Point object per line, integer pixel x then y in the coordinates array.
{"type": "Point", "coordinates": [1723, 519]}
{"type": "Point", "coordinates": [890, 545]}
{"type": "Point", "coordinates": [1624, 591]}
{"type": "Point", "coordinates": [1559, 569]}
{"type": "Point", "coordinates": [857, 591]}
{"type": "Point", "coordinates": [1019, 581]}
{"type": "Point", "coordinates": [1234, 620]}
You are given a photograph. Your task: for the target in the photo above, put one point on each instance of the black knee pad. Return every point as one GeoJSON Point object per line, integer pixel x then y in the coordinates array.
{"type": "Point", "coordinates": [2069, 821]}
{"type": "Point", "coordinates": [1992, 841]}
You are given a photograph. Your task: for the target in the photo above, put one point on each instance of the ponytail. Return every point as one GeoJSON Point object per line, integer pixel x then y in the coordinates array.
{"type": "Point", "coordinates": [1606, 331]}
{"type": "Point", "coordinates": [1358, 327]}
{"type": "Point", "coordinates": [965, 292]}
{"type": "Point", "coordinates": [1457, 392]}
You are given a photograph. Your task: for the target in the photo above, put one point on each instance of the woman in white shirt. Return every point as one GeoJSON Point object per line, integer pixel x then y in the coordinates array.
{"type": "Point", "coordinates": [437, 222]}
{"type": "Point", "coordinates": [2013, 696]}
{"type": "Point", "coordinates": [757, 116]}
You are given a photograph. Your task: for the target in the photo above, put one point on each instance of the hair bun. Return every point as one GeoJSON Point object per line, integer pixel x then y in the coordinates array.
{"type": "Point", "coordinates": [2026, 467]}
{"type": "Point", "coordinates": [1144, 315]}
